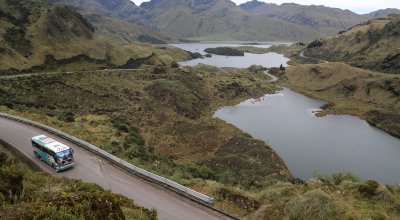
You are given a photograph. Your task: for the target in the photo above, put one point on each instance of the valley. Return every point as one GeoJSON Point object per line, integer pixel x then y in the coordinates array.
{"type": "Point", "coordinates": [132, 80]}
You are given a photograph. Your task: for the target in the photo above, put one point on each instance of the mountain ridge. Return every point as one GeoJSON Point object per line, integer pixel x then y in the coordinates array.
{"type": "Point", "coordinates": [207, 19]}
{"type": "Point", "coordinates": [325, 20]}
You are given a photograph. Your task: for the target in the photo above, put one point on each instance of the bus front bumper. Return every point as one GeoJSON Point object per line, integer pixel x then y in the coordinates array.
{"type": "Point", "coordinates": [65, 166]}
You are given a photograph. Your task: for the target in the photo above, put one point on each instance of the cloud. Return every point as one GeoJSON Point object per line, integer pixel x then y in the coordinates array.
{"type": "Point", "coordinates": [358, 6]}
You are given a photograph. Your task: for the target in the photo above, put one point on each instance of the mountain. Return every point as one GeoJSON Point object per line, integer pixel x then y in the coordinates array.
{"type": "Point", "coordinates": [326, 21]}
{"type": "Point", "coordinates": [383, 13]}
{"type": "Point", "coordinates": [36, 36]}
{"type": "Point", "coordinates": [218, 19]}
{"type": "Point", "coordinates": [116, 29]}
{"type": "Point", "coordinates": [374, 45]}
{"type": "Point", "coordinates": [202, 19]}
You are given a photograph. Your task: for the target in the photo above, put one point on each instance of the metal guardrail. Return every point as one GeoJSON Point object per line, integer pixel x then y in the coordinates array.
{"type": "Point", "coordinates": [209, 200]}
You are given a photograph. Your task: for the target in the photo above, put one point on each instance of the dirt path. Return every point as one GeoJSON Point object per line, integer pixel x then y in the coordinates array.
{"type": "Point", "coordinates": [302, 55]}
{"type": "Point", "coordinates": [274, 78]}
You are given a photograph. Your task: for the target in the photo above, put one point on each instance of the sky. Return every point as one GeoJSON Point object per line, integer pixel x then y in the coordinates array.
{"type": "Point", "coordinates": [357, 6]}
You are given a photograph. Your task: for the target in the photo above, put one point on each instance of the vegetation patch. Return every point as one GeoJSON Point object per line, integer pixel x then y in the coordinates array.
{"type": "Point", "coordinates": [247, 162]}
{"type": "Point", "coordinates": [228, 51]}
{"type": "Point", "coordinates": [149, 39]}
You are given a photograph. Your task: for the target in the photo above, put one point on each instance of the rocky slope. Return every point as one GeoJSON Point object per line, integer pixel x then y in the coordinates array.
{"type": "Point", "coordinates": [373, 45]}
{"type": "Point", "coordinates": [326, 21]}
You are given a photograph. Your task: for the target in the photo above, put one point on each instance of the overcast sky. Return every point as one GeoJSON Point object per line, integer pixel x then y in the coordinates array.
{"type": "Point", "coordinates": [358, 6]}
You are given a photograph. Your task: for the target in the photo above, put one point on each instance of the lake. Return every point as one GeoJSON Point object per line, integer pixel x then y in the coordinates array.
{"type": "Point", "coordinates": [306, 143]}
{"type": "Point", "coordinates": [266, 60]}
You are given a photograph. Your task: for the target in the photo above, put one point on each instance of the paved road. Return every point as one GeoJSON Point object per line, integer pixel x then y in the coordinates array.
{"type": "Point", "coordinates": [91, 168]}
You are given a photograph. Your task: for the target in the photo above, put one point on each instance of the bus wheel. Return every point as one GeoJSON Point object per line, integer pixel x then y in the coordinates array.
{"type": "Point", "coordinates": [40, 158]}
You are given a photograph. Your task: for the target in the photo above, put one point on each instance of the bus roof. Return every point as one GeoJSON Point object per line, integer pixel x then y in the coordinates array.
{"type": "Point", "coordinates": [50, 143]}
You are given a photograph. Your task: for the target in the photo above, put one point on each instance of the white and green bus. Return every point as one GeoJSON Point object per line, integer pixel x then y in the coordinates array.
{"type": "Point", "coordinates": [57, 155]}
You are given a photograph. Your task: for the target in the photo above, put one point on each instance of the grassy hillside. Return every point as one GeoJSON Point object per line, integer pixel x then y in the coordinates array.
{"type": "Point", "coordinates": [36, 36]}
{"type": "Point", "coordinates": [114, 29]}
{"type": "Point", "coordinates": [383, 13]}
{"type": "Point", "coordinates": [373, 45]}
{"type": "Point", "coordinates": [370, 95]}
{"type": "Point", "coordinates": [39, 195]}
{"type": "Point", "coordinates": [324, 20]}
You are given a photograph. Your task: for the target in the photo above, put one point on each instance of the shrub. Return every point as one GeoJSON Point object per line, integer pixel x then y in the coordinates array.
{"type": "Point", "coordinates": [316, 43]}
{"type": "Point", "coordinates": [51, 106]}
{"type": "Point", "coordinates": [281, 67]}
{"type": "Point", "coordinates": [297, 181]}
{"type": "Point", "coordinates": [337, 178]}
{"type": "Point", "coordinates": [117, 120]}
{"type": "Point", "coordinates": [134, 129]}
{"type": "Point", "coordinates": [67, 117]}
{"type": "Point", "coordinates": [50, 114]}
{"type": "Point", "coordinates": [151, 148]}
{"type": "Point", "coordinates": [369, 188]}
{"type": "Point", "coordinates": [314, 204]}
{"type": "Point", "coordinates": [113, 147]}
{"type": "Point", "coordinates": [135, 140]}
{"type": "Point", "coordinates": [227, 178]}
{"type": "Point", "coordinates": [123, 128]}
{"type": "Point", "coordinates": [206, 173]}
{"type": "Point", "coordinates": [174, 64]}
{"type": "Point", "coordinates": [153, 213]}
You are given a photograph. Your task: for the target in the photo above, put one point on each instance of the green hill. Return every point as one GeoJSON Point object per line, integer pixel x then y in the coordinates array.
{"type": "Point", "coordinates": [383, 13]}
{"type": "Point", "coordinates": [324, 20]}
{"type": "Point", "coordinates": [36, 36]}
{"type": "Point", "coordinates": [110, 27]}
{"type": "Point", "coordinates": [372, 45]}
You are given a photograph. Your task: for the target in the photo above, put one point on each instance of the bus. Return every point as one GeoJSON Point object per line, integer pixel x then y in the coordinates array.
{"type": "Point", "coordinates": [57, 155]}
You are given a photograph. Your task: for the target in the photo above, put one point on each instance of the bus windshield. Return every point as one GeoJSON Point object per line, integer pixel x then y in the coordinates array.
{"type": "Point", "coordinates": [66, 154]}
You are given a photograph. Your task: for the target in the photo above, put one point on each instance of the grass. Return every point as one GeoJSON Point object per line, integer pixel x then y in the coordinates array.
{"type": "Point", "coordinates": [172, 111]}
{"type": "Point", "coordinates": [372, 45]}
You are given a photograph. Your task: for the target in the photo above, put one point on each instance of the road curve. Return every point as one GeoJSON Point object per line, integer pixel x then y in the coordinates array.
{"type": "Point", "coordinates": [274, 78]}
{"type": "Point", "coordinates": [302, 55]}
{"type": "Point", "coordinates": [92, 168]}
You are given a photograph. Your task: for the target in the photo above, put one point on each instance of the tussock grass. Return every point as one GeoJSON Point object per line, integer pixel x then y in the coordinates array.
{"type": "Point", "coordinates": [314, 204]}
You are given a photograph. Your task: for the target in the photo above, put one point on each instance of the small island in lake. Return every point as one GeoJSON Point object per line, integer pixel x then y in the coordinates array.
{"type": "Point", "coordinates": [224, 51]}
